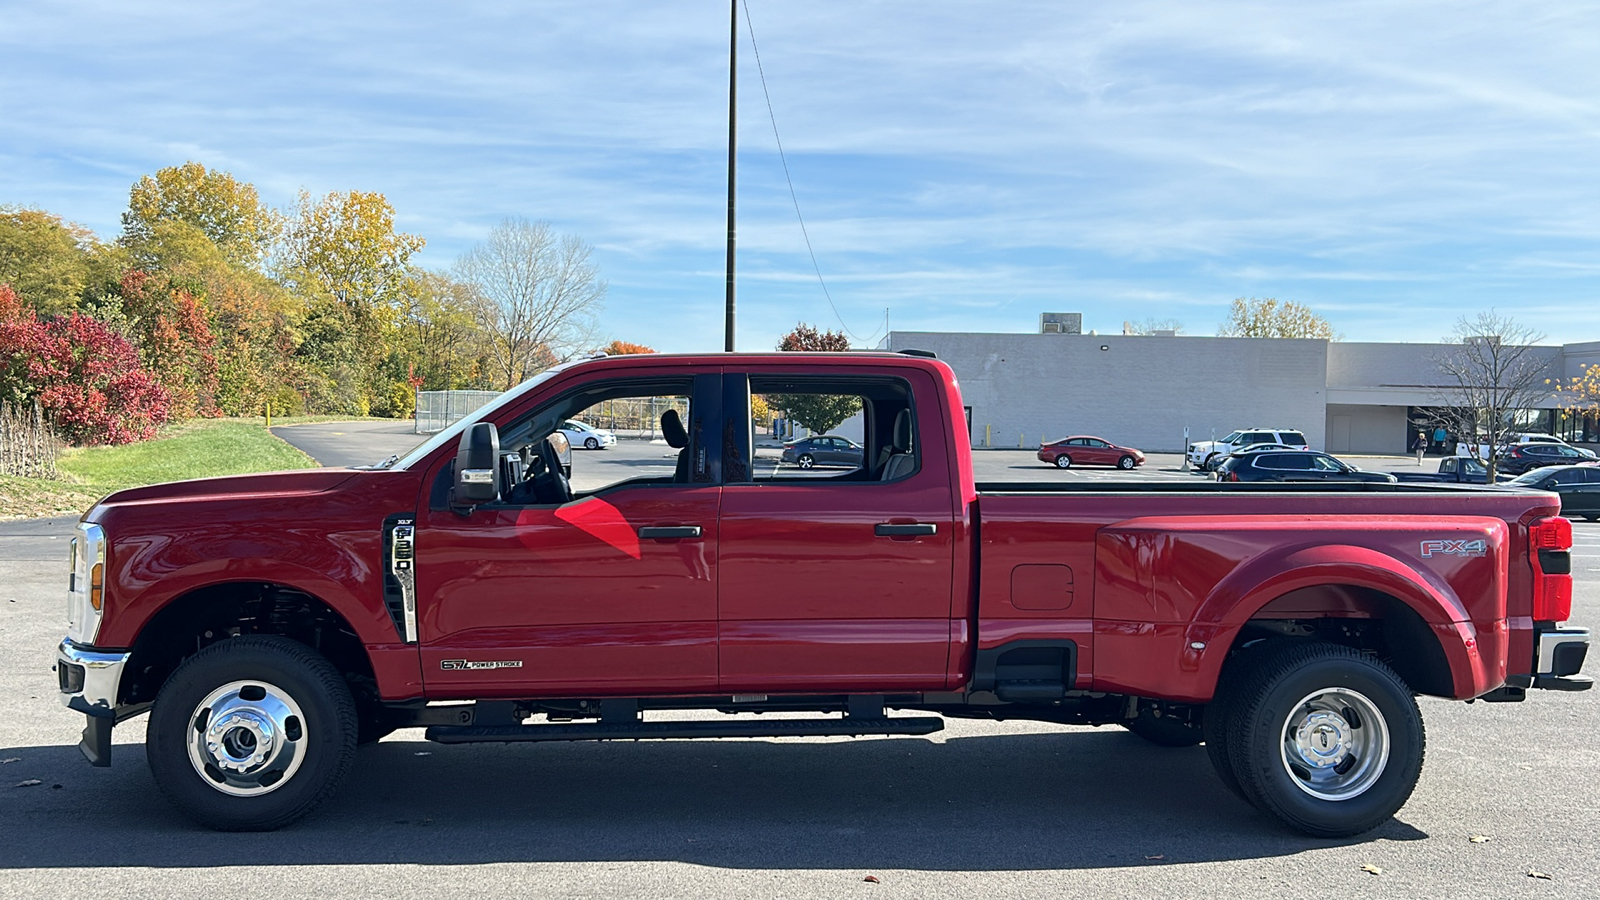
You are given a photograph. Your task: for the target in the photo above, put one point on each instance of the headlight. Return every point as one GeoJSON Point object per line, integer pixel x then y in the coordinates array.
{"type": "Point", "coordinates": [86, 584]}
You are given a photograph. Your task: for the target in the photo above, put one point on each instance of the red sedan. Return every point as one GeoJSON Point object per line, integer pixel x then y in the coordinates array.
{"type": "Point", "coordinates": [1083, 450]}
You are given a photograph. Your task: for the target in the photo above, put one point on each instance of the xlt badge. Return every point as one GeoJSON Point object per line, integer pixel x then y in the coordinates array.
{"type": "Point", "coordinates": [461, 664]}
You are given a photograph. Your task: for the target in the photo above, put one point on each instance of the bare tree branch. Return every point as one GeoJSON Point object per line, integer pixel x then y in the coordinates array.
{"type": "Point", "coordinates": [1491, 369]}
{"type": "Point", "coordinates": [539, 293]}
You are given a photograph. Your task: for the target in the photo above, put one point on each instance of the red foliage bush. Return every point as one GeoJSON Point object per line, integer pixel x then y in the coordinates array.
{"type": "Point", "coordinates": [88, 378]}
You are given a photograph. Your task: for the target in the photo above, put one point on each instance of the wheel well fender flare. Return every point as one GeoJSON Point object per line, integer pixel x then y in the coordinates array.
{"type": "Point", "coordinates": [1237, 598]}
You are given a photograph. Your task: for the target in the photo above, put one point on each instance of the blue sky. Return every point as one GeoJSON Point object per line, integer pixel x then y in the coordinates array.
{"type": "Point", "coordinates": [963, 165]}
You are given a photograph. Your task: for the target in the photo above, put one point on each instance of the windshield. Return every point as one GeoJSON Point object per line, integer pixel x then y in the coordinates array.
{"type": "Point", "coordinates": [1530, 477]}
{"type": "Point", "coordinates": [453, 433]}
{"type": "Point", "coordinates": [1233, 437]}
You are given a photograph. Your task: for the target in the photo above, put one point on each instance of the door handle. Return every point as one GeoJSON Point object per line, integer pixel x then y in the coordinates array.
{"type": "Point", "coordinates": [668, 532]}
{"type": "Point", "coordinates": [886, 529]}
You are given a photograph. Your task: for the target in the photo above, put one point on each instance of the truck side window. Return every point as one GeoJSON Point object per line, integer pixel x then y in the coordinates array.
{"type": "Point", "coordinates": [637, 432]}
{"type": "Point", "coordinates": [859, 429]}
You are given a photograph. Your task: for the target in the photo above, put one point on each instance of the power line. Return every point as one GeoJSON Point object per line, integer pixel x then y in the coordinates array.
{"type": "Point", "coordinates": [792, 195]}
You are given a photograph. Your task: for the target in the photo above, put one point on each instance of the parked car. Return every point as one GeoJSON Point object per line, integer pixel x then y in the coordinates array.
{"type": "Point", "coordinates": [1481, 451]}
{"type": "Point", "coordinates": [1520, 458]}
{"type": "Point", "coordinates": [269, 624]}
{"type": "Point", "coordinates": [1214, 461]}
{"type": "Point", "coordinates": [1083, 450]}
{"type": "Point", "coordinates": [582, 434]}
{"type": "Point", "coordinates": [1579, 487]}
{"type": "Point", "coordinates": [823, 450]}
{"type": "Point", "coordinates": [1294, 465]}
{"type": "Point", "coordinates": [1208, 453]}
{"type": "Point", "coordinates": [1452, 469]}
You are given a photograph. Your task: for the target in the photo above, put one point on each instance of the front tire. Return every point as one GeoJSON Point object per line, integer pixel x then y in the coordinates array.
{"type": "Point", "coordinates": [1325, 739]}
{"type": "Point", "coordinates": [591, 444]}
{"type": "Point", "coordinates": [251, 733]}
{"type": "Point", "coordinates": [1063, 461]}
{"type": "Point", "coordinates": [1125, 463]}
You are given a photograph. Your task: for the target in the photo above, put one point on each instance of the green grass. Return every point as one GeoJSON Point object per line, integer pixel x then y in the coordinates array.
{"type": "Point", "coordinates": [201, 448]}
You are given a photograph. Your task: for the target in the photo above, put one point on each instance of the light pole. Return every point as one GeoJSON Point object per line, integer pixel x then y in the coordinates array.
{"type": "Point", "coordinates": [733, 93]}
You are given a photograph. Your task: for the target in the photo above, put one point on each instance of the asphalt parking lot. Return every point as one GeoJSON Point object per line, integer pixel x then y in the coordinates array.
{"type": "Point", "coordinates": [1000, 810]}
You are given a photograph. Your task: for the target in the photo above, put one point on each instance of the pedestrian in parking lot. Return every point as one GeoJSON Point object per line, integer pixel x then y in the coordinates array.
{"type": "Point", "coordinates": [1419, 445]}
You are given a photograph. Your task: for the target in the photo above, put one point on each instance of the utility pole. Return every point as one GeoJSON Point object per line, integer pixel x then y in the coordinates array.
{"type": "Point", "coordinates": [733, 112]}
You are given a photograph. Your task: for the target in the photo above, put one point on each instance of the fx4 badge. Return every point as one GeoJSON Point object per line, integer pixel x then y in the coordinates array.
{"type": "Point", "coordinates": [450, 665]}
{"type": "Point", "coordinates": [1455, 548]}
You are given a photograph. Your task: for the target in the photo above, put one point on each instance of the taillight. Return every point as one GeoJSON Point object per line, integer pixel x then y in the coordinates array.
{"type": "Point", "coordinates": [1232, 475]}
{"type": "Point", "coordinates": [1549, 540]}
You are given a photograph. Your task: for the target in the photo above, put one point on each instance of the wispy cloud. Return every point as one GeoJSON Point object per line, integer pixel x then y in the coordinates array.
{"type": "Point", "coordinates": [964, 164]}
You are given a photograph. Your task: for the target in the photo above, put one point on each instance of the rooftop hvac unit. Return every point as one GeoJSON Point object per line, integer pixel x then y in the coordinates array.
{"type": "Point", "coordinates": [1061, 323]}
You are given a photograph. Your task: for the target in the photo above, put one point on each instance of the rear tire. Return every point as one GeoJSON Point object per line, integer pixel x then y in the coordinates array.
{"type": "Point", "coordinates": [1063, 461]}
{"type": "Point", "coordinates": [1125, 463]}
{"type": "Point", "coordinates": [1325, 739]}
{"type": "Point", "coordinates": [251, 733]}
{"type": "Point", "coordinates": [805, 461]}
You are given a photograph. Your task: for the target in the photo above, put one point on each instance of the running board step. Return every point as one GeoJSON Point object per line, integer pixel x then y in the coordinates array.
{"type": "Point", "coordinates": [635, 731]}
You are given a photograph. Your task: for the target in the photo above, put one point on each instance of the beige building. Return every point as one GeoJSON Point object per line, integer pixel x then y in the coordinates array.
{"type": "Point", "coordinates": [1145, 390]}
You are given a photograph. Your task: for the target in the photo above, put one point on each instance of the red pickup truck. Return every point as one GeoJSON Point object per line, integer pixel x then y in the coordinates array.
{"type": "Point", "coordinates": [271, 624]}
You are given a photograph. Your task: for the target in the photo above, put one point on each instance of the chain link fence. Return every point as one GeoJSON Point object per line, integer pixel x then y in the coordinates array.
{"type": "Point", "coordinates": [436, 410]}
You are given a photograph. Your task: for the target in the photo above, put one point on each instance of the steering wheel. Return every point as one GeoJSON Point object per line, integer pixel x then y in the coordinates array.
{"type": "Point", "coordinates": [550, 484]}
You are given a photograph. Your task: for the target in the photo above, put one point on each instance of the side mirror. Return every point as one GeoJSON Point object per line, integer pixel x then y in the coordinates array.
{"type": "Point", "coordinates": [477, 467]}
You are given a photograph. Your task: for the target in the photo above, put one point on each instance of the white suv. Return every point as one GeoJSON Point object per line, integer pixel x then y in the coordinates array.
{"type": "Point", "coordinates": [1203, 455]}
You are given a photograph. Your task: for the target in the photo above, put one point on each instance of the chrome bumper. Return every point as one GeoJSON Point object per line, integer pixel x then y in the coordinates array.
{"type": "Point", "coordinates": [89, 679]}
{"type": "Point", "coordinates": [1561, 653]}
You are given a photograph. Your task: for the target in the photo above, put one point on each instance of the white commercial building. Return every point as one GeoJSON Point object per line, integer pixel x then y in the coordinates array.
{"type": "Point", "coordinates": [1144, 390]}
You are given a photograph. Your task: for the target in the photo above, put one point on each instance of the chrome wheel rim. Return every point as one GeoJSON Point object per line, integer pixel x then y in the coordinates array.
{"type": "Point", "coordinates": [247, 738]}
{"type": "Point", "coordinates": [1335, 744]}
{"type": "Point", "coordinates": [1063, 462]}
{"type": "Point", "coordinates": [805, 462]}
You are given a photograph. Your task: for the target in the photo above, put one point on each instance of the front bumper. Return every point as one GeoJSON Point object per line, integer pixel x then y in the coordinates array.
{"type": "Point", "coordinates": [89, 681]}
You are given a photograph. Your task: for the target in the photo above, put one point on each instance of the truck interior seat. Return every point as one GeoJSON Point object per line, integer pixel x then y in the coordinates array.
{"type": "Point", "coordinates": [677, 438]}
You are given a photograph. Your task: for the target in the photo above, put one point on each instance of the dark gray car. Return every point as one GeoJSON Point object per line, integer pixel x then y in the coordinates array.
{"type": "Point", "coordinates": [823, 450]}
{"type": "Point", "coordinates": [1579, 487]}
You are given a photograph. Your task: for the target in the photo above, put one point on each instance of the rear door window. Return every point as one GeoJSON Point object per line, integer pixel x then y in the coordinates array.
{"type": "Point", "coordinates": [1291, 461]}
{"type": "Point", "coordinates": [1294, 437]}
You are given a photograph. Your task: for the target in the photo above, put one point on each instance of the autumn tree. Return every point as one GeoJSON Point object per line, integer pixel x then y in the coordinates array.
{"type": "Point", "coordinates": [43, 259]}
{"type": "Point", "coordinates": [540, 293]}
{"type": "Point", "coordinates": [1491, 371]}
{"type": "Point", "coordinates": [1580, 395]}
{"type": "Point", "coordinates": [820, 413]}
{"type": "Point", "coordinates": [163, 207]}
{"type": "Point", "coordinates": [343, 255]}
{"type": "Point", "coordinates": [174, 338]}
{"type": "Point", "coordinates": [625, 348]}
{"type": "Point", "coordinates": [439, 335]}
{"type": "Point", "coordinates": [1268, 318]}
{"type": "Point", "coordinates": [87, 378]}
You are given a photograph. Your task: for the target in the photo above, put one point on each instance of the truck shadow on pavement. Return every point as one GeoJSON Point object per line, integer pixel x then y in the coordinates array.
{"type": "Point", "coordinates": [994, 802]}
